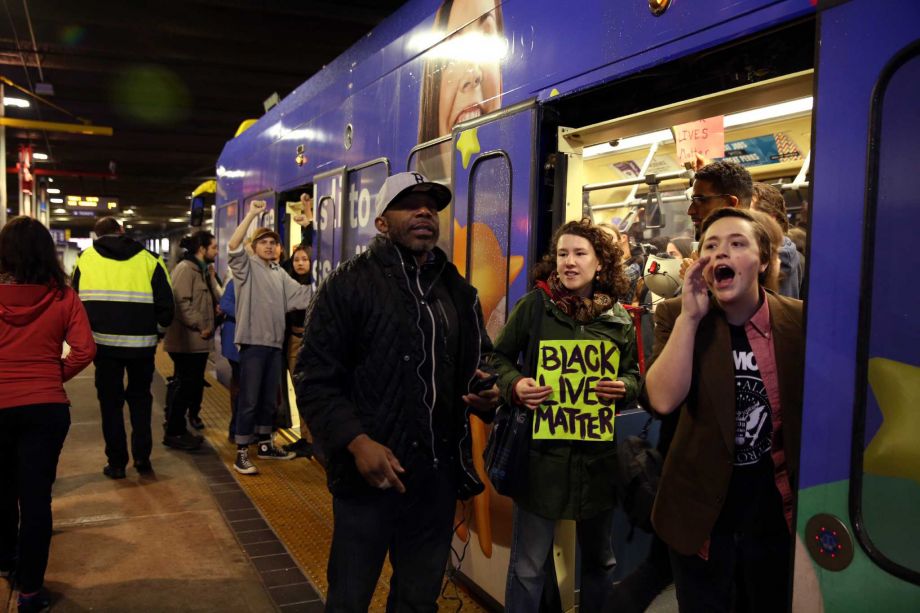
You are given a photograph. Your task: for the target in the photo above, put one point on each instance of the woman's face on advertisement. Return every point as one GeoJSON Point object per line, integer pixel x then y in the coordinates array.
{"type": "Point", "coordinates": [471, 81]}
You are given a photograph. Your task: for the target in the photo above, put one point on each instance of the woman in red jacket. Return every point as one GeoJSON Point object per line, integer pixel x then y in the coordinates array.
{"type": "Point", "coordinates": [38, 313]}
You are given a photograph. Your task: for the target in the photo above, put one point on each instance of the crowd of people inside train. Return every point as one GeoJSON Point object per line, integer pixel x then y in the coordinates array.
{"type": "Point", "coordinates": [390, 358]}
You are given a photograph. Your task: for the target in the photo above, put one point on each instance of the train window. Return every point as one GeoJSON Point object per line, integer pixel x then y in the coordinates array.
{"type": "Point", "coordinates": [362, 184]}
{"type": "Point", "coordinates": [227, 218]}
{"type": "Point", "coordinates": [433, 159]}
{"type": "Point", "coordinates": [765, 127]}
{"type": "Point", "coordinates": [885, 490]}
{"type": "Point", "coordinates": [489, 253]}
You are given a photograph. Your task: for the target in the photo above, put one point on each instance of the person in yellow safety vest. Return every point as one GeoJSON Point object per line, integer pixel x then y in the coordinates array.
{"type": "Point", "coordinates": [127, 294]}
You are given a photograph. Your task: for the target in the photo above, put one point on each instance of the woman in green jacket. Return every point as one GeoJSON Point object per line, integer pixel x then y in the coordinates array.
{"type": "Point", "coordinates": [575, 298]}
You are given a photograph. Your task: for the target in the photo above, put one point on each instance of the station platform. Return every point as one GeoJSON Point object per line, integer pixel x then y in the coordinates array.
{"type": "Point", "coordinates": [194, 536]}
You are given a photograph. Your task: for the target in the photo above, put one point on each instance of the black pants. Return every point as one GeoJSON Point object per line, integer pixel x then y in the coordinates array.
{"type": "Point", "coordinates": [112, 394]}
{"type": "Point", "coordinates": [415, 528]}
{"type": "Point", "coordinates": [31, 438]}
{"type": "Point", "coordinates": [189, 370]}
{"type": "Point", "coordinates": [747, 571]}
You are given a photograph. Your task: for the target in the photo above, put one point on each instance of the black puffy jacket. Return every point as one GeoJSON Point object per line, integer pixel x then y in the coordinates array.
{"type": "Point", "coordinates": [358, 370]}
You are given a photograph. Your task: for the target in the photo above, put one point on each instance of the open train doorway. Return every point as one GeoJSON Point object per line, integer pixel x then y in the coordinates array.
{"type": "Point", "coordinates": [628, 150]}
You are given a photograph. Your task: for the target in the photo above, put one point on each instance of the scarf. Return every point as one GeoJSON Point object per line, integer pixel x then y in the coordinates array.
{"type": "Point", "coordinates": [583, 310]}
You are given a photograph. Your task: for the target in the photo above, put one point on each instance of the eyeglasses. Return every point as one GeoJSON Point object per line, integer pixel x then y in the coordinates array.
{"type": "Point", "coordinates": [701, 199]}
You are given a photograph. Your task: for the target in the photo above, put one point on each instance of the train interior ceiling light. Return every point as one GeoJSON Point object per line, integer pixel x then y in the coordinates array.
{"type": "Point", "coordinates": [782, 110]}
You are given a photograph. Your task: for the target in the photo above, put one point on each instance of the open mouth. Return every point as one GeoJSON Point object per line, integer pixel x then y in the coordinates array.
{"type": "Point", "coordinates": [470, 112]}
{"type": "Point", "coordinates": [723, 275]}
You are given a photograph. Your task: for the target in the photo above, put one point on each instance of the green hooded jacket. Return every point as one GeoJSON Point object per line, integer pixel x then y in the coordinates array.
{"type": "Point", "coordinates": [566, 479]}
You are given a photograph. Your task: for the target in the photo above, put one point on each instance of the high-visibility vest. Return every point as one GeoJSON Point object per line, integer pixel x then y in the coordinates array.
{"type": "Point", "coordinates": [128, 282]}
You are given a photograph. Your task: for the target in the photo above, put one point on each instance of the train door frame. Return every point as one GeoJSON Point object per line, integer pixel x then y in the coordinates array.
{"type": "Point", "coordinates": [271, 209]}
{"type": "Point", "coordinates": [412, 161]}
{"type": "Point", "coordinates": [568, 203]}
{"type": "Point", "coordinates": [347, 250]}
{"type": "Point", "coordinates": [335, 231]}
{"type": "Point", "coordinates": [860, 45]}
{"type": "Point", "coordinates": [223, 235]}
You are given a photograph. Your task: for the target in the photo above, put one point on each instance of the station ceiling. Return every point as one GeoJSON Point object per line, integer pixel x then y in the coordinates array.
{"type": "Point", "coordinates": [173, 78]}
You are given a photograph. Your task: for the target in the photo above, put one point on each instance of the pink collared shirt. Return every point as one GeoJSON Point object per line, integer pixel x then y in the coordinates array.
{"type": "Point", "coordinates": [760, 336]}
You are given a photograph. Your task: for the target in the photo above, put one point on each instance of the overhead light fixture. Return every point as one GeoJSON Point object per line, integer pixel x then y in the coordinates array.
{"type": "Point", "coordinates": [56, 200]}
{"type": "Point", "coordinates": [59, 211]}
{"type": "Point", "coordinates": [53, 190]}
{"type": "Point", "coordinates": [39, 156]}
{"type": "Point", "coordinates": [50, 180]}
{"type": "Point", "coordinates": [766, 113]}
{"type": "Point", "coordinates": [20, 102]}
{"type": "Point", "coordinates": [178, 219]}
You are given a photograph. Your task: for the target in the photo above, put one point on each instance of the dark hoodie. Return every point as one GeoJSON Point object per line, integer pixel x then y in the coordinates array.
{"type": "Point", "coordinates": [35, 320]}
{"type": "Point", "coordinates": [128, 318]}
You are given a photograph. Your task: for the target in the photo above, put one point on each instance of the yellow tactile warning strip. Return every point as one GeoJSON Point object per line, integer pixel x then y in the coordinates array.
{"type": "Point", "coordinates": [293, 499]}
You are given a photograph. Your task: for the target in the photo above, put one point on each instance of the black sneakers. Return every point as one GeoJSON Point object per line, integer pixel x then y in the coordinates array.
{"type": "Point", "coordinates": [113, 472]}
{"type": "Point", "coordinates": [36, 603]}
{"type": "Point", "coordinates": [302, 448]}
{"type": "Point", "coordinates": [144, 468]}
{"type": "Point", "coordinates": [196, 422]}
{"type": "Point", "coordinates": [185, 441]}
{"type": "Point", "coordinates": [242, 464]}
{"type": "Point", "coordinates": [268, 451]}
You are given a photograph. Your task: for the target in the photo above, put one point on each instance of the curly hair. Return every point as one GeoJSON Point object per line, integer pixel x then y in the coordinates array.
{"type": "Point", "coordinates": [728, 178]}
{"type": "Point", "coordinates": [611, 279]}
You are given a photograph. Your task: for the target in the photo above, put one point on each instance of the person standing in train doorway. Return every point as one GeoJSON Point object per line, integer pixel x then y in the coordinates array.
{"type": "Point", "coordinates": [729, 355]}
{"type": "Point", "coordinates": [264, 293]}
{"type": "Point", "coordinates": [387, 375]}
{"type": "Point", "coordinates": [716, 185]}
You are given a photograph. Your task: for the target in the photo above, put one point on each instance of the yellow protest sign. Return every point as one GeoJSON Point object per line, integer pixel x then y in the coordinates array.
{"type": "Point", "coordinates": [573, 411]}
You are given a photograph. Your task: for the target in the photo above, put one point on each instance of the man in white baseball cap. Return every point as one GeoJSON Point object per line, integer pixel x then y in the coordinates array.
{"type": "Point", "coordinates": [387, 376]}
{"type": "Point", "coordinates": [407, 210]}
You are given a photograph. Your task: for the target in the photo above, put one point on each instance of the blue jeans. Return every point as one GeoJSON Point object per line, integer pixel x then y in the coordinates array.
{"type": "Point", "coordinates": [531, 544]}
{"type": "Point", "coordinates": [260, 377]}
{"type": "Point", "coordinates": [415, 528]}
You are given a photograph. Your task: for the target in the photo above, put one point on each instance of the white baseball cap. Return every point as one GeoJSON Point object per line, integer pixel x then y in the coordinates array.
{"type": "Point", "coordinates": [410, 182]}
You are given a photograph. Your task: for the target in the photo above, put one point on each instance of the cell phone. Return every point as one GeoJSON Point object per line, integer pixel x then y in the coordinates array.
{"type": "Point", "coordinates": [479, 386]}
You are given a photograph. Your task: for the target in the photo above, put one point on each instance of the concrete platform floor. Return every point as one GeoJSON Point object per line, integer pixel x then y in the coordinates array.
{"type": "Point", "coordinates": [157, 543]}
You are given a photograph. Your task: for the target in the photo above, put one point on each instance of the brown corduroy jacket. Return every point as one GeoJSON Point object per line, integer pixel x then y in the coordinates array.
{"type": "Point", "coordinates": [698, 468]}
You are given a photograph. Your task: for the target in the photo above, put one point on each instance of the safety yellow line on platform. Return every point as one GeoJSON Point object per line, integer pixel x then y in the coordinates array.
{"type": "Point", "coordinates": [293, 499]}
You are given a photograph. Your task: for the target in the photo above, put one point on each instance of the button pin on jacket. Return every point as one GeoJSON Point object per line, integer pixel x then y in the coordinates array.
{"type": "Point", "coordinates": [406, 358]}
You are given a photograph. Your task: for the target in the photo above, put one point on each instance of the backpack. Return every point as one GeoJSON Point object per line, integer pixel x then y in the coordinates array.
{"type": "Point", "coordinates": [638, 470]}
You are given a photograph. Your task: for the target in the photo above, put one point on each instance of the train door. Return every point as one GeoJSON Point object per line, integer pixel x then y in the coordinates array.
{"type": "Point", "coordinates": [494, 193]}
{"type": "Point", "coordinates": [268, 218]}
{"type": "Point", "coordinates": [363, 183]}
{"type": "Point", "coordinates": [858, 516]}
{"type": "Point", "coordinates": [226, 219]}
{"type": "Point", "coordinates": [327, 199]}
